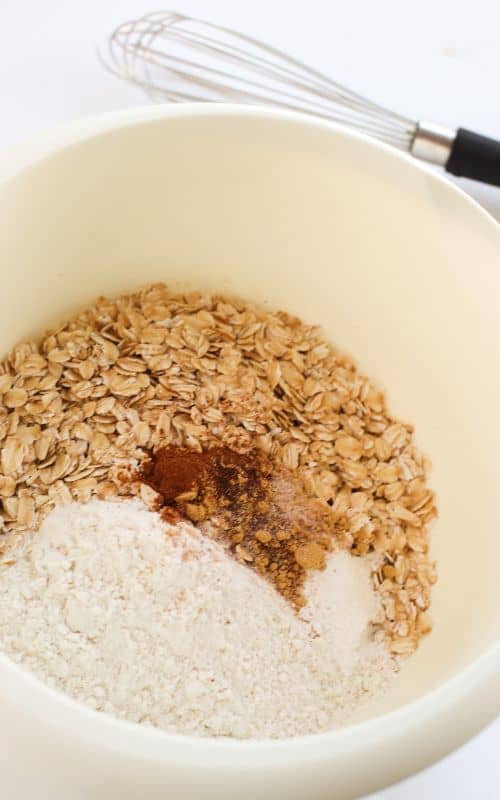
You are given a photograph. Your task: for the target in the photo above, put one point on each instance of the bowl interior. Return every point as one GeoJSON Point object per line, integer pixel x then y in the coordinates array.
{"type": "Point", "coordinates": [401, 273]}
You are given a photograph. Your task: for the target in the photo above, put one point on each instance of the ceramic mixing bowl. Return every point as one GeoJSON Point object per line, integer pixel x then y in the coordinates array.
{"type": "Point", "coordinates": [403, 272]}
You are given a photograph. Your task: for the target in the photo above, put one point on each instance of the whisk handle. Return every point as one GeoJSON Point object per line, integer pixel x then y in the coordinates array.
{"type": "Point", "coordinates": [475, 156]}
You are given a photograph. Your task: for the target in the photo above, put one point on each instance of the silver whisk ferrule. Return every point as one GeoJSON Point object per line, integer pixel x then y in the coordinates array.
{"type": "Point", "coordinates": [433, 143]}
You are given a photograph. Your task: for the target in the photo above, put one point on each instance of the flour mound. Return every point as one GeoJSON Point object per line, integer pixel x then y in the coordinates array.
{"type": "Point", "coordinates": [158, 625]}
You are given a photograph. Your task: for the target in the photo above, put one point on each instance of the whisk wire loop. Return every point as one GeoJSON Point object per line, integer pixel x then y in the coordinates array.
{"type": "Point", "coordinates": [177, 58]}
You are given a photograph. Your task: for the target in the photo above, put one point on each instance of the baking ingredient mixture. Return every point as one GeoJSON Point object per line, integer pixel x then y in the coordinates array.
{"type": "Point", "coordinates": [156, 624]}
{"type": "Point", "coordinates": [249, 453]}
{"type": "Point", "coordinates": [260, 510]}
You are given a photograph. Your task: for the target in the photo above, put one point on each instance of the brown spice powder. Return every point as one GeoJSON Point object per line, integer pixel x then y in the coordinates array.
{"type": "Point", "coordinates": [238, 498]}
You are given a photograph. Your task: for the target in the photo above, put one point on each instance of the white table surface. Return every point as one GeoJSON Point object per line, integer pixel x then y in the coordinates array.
{"type": "Point", "coordinates": [436, 59]}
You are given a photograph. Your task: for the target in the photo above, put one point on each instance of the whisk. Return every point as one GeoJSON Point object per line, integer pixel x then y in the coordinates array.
{"type": "Point", "coordinates": [181, 59]}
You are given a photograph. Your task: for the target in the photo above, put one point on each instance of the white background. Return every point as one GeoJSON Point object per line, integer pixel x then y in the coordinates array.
{"type": "Point", "coordinates": [436, 59]}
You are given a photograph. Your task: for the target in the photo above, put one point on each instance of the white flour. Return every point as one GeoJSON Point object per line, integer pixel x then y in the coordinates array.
{"type": "Point", "coordinates": [340, 604]}
{"type": "Point", "coordinates": [158, 625]}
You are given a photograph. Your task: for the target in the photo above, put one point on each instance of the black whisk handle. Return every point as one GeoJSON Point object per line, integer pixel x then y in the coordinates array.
{"type": "Point", "coordinates": [475, 156]}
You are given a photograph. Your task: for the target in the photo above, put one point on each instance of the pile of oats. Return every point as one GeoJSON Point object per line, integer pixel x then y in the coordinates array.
{"type": "Point", "coordinates": [154, 368]}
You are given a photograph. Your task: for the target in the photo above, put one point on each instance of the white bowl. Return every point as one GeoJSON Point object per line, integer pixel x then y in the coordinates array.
{"type": "Point", "coordinates": [403, 271]}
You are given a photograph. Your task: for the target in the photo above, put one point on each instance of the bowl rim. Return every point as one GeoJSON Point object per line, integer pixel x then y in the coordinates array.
{"type": "Point", "coordinates": [153, 744]}
{"type": "Point", "coordinates": [18, 156]}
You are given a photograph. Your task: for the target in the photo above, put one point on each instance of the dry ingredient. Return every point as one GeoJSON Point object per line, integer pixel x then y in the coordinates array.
{"type": "Point", "coordinates": [156, 624]}
{"type": "Point", "coordinates": [259, 510]}
{"type": "Point", "coordinates": [153, 369]}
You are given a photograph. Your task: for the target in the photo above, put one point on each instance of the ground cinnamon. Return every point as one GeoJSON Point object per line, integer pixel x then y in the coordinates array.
{"type": "Point", "coordinates": [258, 510]}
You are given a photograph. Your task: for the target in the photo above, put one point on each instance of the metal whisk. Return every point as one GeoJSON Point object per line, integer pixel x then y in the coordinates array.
{"type": "Point", "coordinates": [181, 59]}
